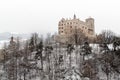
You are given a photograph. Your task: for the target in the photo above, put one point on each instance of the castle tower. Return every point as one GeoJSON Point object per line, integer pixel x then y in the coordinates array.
{"type": "Point", "coordinates": [90, 23]}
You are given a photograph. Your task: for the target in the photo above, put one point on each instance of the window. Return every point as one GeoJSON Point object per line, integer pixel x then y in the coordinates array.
{"type": "Point", "coordinates": [59, 32]}
{"type": "Point", "coordinates": [82, 26]}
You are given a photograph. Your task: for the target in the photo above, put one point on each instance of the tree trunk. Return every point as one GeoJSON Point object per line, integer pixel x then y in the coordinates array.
{"type": "Point", "coordinates": [70, 60]}
{"type": "Point", "coordinates": [24, 74]}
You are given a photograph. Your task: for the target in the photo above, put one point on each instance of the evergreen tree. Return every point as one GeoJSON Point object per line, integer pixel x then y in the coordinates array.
{"type": "Point", "coordinates": [31, 44]}
{"type": "Point", "coordinates": [39, 50]}
{"type": "Point", "coordinates": [86, 50]}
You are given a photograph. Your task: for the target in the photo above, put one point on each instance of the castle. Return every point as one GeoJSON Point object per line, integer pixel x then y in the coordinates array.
{"type": "Point", "coordinates": [66, 27]}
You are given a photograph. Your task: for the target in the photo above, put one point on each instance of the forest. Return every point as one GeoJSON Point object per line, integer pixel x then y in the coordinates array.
{"type": "Point", "coordinates": [80, 58]}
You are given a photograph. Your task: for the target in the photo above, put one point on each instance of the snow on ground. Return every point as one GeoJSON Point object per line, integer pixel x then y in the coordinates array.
{"type": "Point", "coordinates": [74, 61]}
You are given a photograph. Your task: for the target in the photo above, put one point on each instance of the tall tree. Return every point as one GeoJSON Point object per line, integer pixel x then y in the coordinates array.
{"type": "Point", "coordinates": [76, 36]}
{"type": "Point", "coordinates": [106, 36]}
{"type": "Point", "coordinates": [70, 49]}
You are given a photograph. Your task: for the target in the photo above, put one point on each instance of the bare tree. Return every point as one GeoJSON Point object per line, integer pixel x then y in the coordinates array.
{"type": "Point", "coordinates": [70, 49]}
{"type": "Point", "coordinates": [48, 40]}
{"type": "Point", "coordinates": [106, 36]}
{"type": "Point", "coordinates": [76, 36]}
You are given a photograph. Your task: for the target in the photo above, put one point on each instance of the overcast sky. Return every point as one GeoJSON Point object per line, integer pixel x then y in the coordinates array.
{"type": "Point", "coordinates": [26, 16]}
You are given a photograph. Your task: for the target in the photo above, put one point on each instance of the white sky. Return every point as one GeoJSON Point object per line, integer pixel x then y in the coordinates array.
{"type": "Point", "coordinates": [26, 16]}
